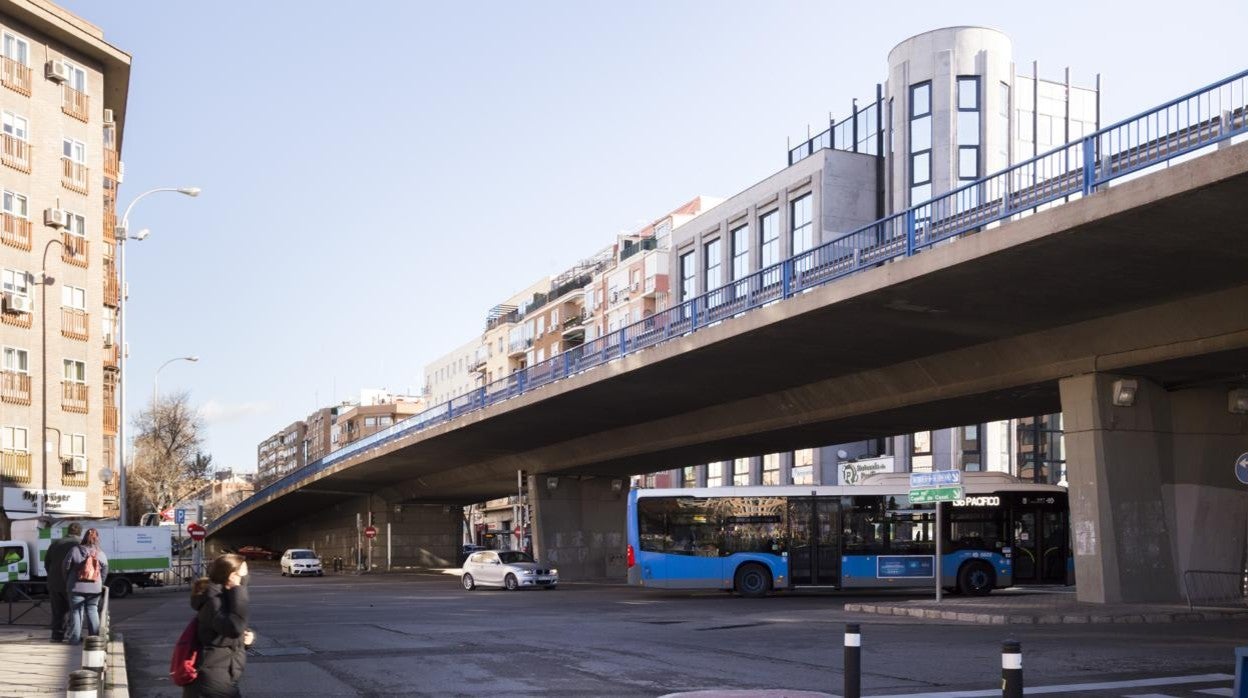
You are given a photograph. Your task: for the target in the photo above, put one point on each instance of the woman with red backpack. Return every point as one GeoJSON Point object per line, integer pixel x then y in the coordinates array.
{"type": "Point", "coordinates": [221, 630]}
{"type": "Point", "coordinates": [86, 567]}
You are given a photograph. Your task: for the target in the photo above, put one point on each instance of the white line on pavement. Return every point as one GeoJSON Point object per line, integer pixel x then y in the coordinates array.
{"type": "Point", "coordinates": [1074, 687]}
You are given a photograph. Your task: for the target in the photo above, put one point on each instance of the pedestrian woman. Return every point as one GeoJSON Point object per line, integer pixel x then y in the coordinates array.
{"type": "Point", "coordinates": [85, 567]}
{"type": "Point", "coordinates": [223, 633]}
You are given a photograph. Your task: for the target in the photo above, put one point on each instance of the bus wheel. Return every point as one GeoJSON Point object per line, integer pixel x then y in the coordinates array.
{"type": "Point", "coordinates": [753, 581]}
{"type": "Point", "coordinates": [976, 579]}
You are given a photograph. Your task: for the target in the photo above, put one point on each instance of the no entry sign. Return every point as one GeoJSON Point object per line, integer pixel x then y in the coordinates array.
{"type": "Point", "coordinates": [370, 532]}
{"type": "Point", "coordinates": [196, 532]}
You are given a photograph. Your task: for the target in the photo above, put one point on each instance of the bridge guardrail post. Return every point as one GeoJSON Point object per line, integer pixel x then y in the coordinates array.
{"type": "Point", "coordinates": [623, 341]}
{"type": "Point", "coordinates": [786, 277]}
{"type": "Point", "coordinates": [910, 233]}
{"type": "Point", "coordinates": [1089, 166]}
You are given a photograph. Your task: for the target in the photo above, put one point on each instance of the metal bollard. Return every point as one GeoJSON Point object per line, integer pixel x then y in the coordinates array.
{"type": "Point", "coordinates": [94, 653]}
{"type": "Point", "coordinates": [853, 661]}
{"type": "Point", "coordinates": [1011, 669]}
{"type": "Point", "coordinates": [83, 683]}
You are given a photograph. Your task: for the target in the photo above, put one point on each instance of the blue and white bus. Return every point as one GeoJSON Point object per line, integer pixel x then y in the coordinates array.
{"type": "Point", "coordinates": [753, 540]}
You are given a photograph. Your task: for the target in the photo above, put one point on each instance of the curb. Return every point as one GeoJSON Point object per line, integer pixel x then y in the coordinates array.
{"type": "Point", "coordinates": [1041, 618]}
{"type": "Point", "coordinates": [118, 683]}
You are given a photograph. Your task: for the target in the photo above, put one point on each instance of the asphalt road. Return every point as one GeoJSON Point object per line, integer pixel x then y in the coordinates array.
{"type": "Point", "coordinates": [415, 634]}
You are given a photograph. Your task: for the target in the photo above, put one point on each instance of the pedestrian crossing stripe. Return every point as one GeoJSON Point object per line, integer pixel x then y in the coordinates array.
{"type": "Point", "coordinates": [1078, 687]}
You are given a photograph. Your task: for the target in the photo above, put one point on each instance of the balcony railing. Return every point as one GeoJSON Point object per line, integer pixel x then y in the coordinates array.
{"type": "Point", "coordinates": [15, 387]}
{"type": "Point", "coordinates": [15, 466]}
{"type": "Point", "coordinates": [110, 419]}
{"type": "Point", "coordinates": [515, 349]}
{"type": "Point", "coordinates": [110, 163]}
{"type": "Point", "coordinates": [74, 323]}
{"type": "Point", "coordinates": [74, 249]}
{"type": "Point", "coordinates": [74, 103]}
{"type": "Point", "coordinates": [110, 224]}
{"type": "Point", "coordinates": [631, 248]}
{"type": "Point", "coordinates": [74, 175]}
{"type": "Point", "coordinates": [16, 153]}
{"type": "Point", "coordinates": [14, 75]}
{"type": "Point", "coordinates": [112, 288]}
{"type": "Point", "coordinates": [74, 479]}
{"type": "Point", "coordinates": [15, 232]}
{"type": "Point", "coordinates": [112, 357]}
{"type": "Point", "coordinates": [74, 396]}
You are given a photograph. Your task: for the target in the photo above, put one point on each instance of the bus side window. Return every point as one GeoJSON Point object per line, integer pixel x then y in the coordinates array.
{"type": "Point", "coordinates": [863, 527]}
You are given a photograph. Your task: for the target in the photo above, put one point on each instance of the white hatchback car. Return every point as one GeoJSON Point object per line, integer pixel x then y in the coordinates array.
{"type": "Point", "coordinates": [510, 569]}
{"type": "Point", "coordinates": [298, 562]}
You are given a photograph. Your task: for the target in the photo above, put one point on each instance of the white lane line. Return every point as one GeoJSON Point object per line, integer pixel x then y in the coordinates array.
{"type": "Point", "coordinates": [1074, 687]}
{"type": "Point", "coordinates": [1149, 695]}
{"type": "Point", "coordinates": [1216, 691]}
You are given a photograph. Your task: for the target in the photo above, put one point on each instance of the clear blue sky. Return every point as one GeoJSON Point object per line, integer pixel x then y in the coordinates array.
{"type": "Point", "coordinates": [374, 182]}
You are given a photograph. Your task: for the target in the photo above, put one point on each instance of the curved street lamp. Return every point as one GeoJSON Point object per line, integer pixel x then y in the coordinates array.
{"type": "Point", "coordinates": [156, 378]}
{"type": "Point", "coordinates": [122, 234]}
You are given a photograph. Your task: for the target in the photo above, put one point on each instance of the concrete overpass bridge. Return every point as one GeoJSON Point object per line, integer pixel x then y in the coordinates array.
{"type": "Point", "coordinates": [975, 306]}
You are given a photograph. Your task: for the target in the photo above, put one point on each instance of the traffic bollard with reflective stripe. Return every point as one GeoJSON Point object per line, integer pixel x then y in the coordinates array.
{"type": "Point", "coordinates": [1011, 669]}
{"type": "Point", "coordinates": [94, 653]}
{"type": "Point", "coordinates": [83, 683]}
{"type": "Point", "coordinates": [853, 661]}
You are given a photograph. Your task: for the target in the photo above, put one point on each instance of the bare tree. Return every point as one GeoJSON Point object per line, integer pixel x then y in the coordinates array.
{"type": "Point", "coordinates": [168, 465]}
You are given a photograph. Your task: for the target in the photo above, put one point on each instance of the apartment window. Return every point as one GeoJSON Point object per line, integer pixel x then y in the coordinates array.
{"type": "Point", "coordinates": [16, 204]}
{"type": "Point", "coordinates": [689, 477]}
{"type": "Point", "coordinates": [803, 232]}
{"type": "Point", "coordinates": [769, 245]}
{"type": "Point", "coordinates": [771, 469]}
{"type": "Point", "coordinates": [715, 474]}
{"type": "Point", "coordinates": [74, 297]}
{"type": "Point", "coordinates": [714, 265]}
{"type": "Point", "coordinates": [1003, 122]}
{"type": "Point", "coordinates": [921, 452]}
{"type": "Point", "coordinates": [75, 371]}
{"type": "Point", "coordinates": [14, 281]}
{"type": "Point", "coordinates": [688, 276]}
{"type": "Point", "coordinates": [74, 445]}
{"type": "Point", "coordinates": [77, 77]}
{"type": "Point", "coordinates": [370, 421]}
{"type": "Point", "coordinates": [15, 126]}
{"type": "Point", "coordinates": [968, 128]}
{"type": "Point", "coordinates": [16, 49]}
{"type": "Point", "coordinates": [14, 439]}
{"type": "Point", "coordinates": [74, 150]}
{"type": "Point", "coordinates": [803, 472]}
{"type": "Point", "coordinates": [16, 360]}
{"type": "Point", "coordinates": [741, 472]}
{"type": "Point", "coordinates": [920, 143]}
{"type": "Point", "coordinates": [972, 458]}
{"type": "Point", "coordinates": [740, 252]}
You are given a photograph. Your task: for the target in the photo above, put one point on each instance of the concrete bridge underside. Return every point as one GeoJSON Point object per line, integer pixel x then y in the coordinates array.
{"type": "Point", "coordinates": [1147, 279]}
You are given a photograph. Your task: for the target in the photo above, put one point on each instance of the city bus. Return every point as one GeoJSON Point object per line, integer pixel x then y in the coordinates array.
{"type": "Point", "coordinates": [754, 540]}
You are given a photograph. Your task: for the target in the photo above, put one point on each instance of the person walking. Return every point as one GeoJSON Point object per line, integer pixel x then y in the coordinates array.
{"type": "Point", "coordinates": [86, 566]}
{"type": "Point", "coordinates": [54, 563]}
{"type": "Point", "coordinates": [223, 632]}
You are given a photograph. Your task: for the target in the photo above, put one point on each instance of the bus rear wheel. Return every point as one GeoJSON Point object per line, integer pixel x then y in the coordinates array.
{"type": "Point", "coordinates": [976, 579]}
{"type": "Point", "coordinates": [753, 581]}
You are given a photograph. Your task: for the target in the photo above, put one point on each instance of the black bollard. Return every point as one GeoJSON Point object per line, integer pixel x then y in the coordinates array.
{"type": "Point", "coordinates": [94, 653]}
{"type": "Point", "coordinates": [1011, 669]}
{"type": "Point", "coordinates": [853, 661]}
{"type": "Point", "coordinates": [83, 683]}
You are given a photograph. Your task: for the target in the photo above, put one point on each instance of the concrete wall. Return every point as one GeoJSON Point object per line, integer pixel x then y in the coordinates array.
{"type": "Point", "coordinates": [579, 525]}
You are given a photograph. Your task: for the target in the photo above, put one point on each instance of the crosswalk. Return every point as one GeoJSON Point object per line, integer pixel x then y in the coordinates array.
{"type": "Point", "coordinates": [1195, 686]}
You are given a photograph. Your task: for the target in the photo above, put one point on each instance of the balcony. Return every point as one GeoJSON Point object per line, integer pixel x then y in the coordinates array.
{"type": "Point", "coordinates": [15, 466]}
{"type": "Point", "coordinates": [74, 103]}
{"type": "Point", "coordinates": [110, 223]}
{"type": "Point", "coordinates": [75, 479]}
{"type": "Point", "coordinates": [74, 249]}
{"type": "Point", "coordinates": [75, 324]}
{"type": "Point", "coordinates": [519, 348]}
{"type": "Point", "coordinates": [15, 232]}
{"type": "Point", "coordinates": [74, 396]}
{"type": "Point", "coordinates": [110, 420]}
{"type": "Point", "coordinates": [112, 358]}
{"type": "Point", "coordinates": [14, 75]}
{"type": "Point", "coordinates": [631, 248]}
{"type": "Point", "coordinates": [655, 285]}
{"type": "Point", "coordinates": [16, 153]}
{"type": "Point", "coordinates": [16, 311]}
{"type": "Point", "coordinates": [74, 175]}
{"type": "Point", "coordinates": [112, 289]}
{"type": "Point", "coordinates": [15, 387]}
{"type": "Point", "coordinates": [574, 328]}
{"type": "Point", "coordinates": [110, 163]}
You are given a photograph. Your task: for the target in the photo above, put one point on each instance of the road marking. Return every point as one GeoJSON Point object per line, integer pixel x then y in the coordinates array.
{"type": "Point", "coordinates": [1216, 691]}
{"type": "Point", "coordinates": [1074, 687]}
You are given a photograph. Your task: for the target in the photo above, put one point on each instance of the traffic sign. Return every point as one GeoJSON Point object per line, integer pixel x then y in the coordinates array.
{"type": "Point", "coordinates": [1241, 468]}
{"type": "Point", "coordinates": [196, 532]}
{"type": "Point", "coordinates": [924, 495]}
{"type": "Point", "coordinates": [518, 531]}
{"type": "Point", "coordinates": [179, 516]}
{"type": "Point", "coordinates": [938, 478]}
{"type": "Point", "coordinates": [370, 532]}
{"type": "Point", "coordinates": [936, 486]}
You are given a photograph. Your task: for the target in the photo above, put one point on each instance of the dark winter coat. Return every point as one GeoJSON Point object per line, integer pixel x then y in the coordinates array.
{"type": "Point", "coordinates": [222, 622]}
{"type": "Point", "coordinates": [54, 562]}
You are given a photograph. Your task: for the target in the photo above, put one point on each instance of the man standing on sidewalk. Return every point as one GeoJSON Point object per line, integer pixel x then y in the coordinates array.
{"type": "Point", "coordinates": [54, 563]}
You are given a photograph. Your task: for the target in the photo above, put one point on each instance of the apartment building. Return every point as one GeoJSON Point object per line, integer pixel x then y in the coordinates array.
{"type": "Point", "coordinates": [455, 373]}
{"type": "Point", "coordinates": [281, 453]}
{"type": "Point", "coordinates": [63, 95]}
{"type": "Point", "coordinates": [359, 421]}
{"type": "Point", "coordinates": [316, 433]}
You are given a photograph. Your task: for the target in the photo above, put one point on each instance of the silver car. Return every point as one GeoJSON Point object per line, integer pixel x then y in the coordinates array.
{"type": "Point", "coordinates": [510, 569]}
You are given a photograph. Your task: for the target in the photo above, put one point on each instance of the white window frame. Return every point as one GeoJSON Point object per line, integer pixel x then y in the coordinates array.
{"type": "Point", "coordinates": [10, 195]}
{"type": "Point", "coordinates": [8, 123]}
{"type": "Point", "coordinates": [67, 364]}
{"type": "Point", "coordinates": [77, 79]}
{"type": "Point", "coordinates": [10, 354]}
{"type": "Point", "coordinates": [16, 39]}
{"type": "Point", "coordinates": [75, 147]}
{"type": "Point", "coordinates": [73, 445]}
{"type": "Point", "coordinates": [73, 297]}
{"type": "Point", "coordinates": [9, 282]}
{"type": "Point", "coordinates": [8, 439]}
{"type": "Point", "coordinates": [77, 224]}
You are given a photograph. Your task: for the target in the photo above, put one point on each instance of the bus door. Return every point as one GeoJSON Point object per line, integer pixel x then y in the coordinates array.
{"type": "Point", "coordinates": [814, 541]}
{"type": "Point", "coordinates": [1041, 540]}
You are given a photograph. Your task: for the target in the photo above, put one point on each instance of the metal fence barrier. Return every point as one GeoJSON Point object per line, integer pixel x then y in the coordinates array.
{"type": "Point", "coordinates": [1215, 588]}
{"type": "Point", "coordinates": [29, 601]}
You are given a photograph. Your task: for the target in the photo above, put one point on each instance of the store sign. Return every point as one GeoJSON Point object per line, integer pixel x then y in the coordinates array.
{"type": "Point", "coordinates": [853, 472]}
{"type": "Point", "coordinates": [25, 499]}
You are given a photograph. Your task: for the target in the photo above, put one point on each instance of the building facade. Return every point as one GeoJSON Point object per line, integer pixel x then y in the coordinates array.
{"type": "Point", "coordinates": [62, 103]}
{"type": "Point", "coordinates": [281, 453]}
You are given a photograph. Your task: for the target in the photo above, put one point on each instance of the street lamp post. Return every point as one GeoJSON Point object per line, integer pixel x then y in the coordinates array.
{"type": "Point", "coordinates": [156, 379]}
{"type": "Point", "coordinates": [122, 234]}
{"type": "Point", "coordinates": [43, 346]}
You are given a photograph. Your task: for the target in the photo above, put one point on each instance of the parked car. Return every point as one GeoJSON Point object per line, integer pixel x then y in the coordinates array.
{"type": "Point", "coordinates": [510, 569]}
{"type": "Point", "coordinates": [298, 562]}
{"type": "Point", "coordinates": [255, 552]}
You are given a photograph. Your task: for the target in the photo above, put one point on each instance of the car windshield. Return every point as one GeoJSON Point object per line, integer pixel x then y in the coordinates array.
{"type": "Point", "coordinates": [302, 555]}
{"type": "Point", "coordinates": [511, 557]}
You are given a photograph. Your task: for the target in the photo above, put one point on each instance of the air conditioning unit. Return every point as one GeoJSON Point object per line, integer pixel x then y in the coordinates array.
{"type": "Point", "coordinates": [14, 303]}
{"type": "Point", "coordinates": [56, 71]}
{"type": "Point", "coordinates": [56, 217]}
{"type": "Point", "coordinates": [108, 117]}
{"type": "Point", "coordinates": [76, 465]}
{"type": "Point", "coordinates": [108, 340]}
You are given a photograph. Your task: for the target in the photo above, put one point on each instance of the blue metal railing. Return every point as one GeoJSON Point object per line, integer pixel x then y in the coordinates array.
{"type": "Point", "coordinates": [1179, 127]}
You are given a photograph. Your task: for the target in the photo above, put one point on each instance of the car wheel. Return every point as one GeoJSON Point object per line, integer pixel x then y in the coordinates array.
{"type": "Point", "coordinates": [283, 571]}
{"type": "Point", "coordinates": [753, 581]}
{"type": "Point", "coordinates": [976, 579]}
{"type": "Point", "coordinates": [320, 573]}
{"type": "Point", "coordinates": [511, 582]}
{"type": "Point", "coordinates": [119, 588]}
{"type": "Point", "coordinates": [468, 582]}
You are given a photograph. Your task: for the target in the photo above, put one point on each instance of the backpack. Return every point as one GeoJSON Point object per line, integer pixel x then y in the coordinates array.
{"type": "Point", "coordinates": [90, 571]}
{"type": "Point", "coordinates": [182, 666]}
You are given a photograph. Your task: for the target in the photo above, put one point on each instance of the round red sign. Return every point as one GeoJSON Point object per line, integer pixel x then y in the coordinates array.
{"type": "Point", "coordinates": [370, 532]}
{"type": "Point", "coordinates": [518, 531]}
{"type": "Point", "coordinates": [196, 532]}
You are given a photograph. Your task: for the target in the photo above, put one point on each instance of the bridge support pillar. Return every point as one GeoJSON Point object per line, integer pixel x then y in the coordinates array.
{"type": "Point", "coordinates": [1152, 486]}
{"type": "Point", "coordinates": [578, 525]}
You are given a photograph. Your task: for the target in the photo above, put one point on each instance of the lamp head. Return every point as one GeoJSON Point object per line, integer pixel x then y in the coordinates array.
{"type": "Point", "coordinates": [192, 358]}
{"type": "Point", "coordinates": [189, 191]}
{"type": "Point", "coordinates": [141, 235]}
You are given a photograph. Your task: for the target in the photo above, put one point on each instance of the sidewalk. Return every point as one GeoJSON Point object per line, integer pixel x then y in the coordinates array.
{"type": "Point", "coordinates": [32, 665]}
{"type": "Point", "coordinates": [1032, 606]}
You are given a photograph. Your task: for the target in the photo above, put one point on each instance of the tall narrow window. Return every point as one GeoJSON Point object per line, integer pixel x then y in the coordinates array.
{"type": "Point", "coordinates": [803, 472]}
{"type": "Point", "coordinates": [771, 469]}
{"type": "Point", "coordinates": [740, 252]}
{"type": "Point", "coordinates": [688, 276]}
{"type": "Point", "coordinates": [972, 451]}
{"type": "Point", "coordinates": [715, 474]}
{"type": "Point", "coordinates": [921, 452]}
{"type": "Point", "coordinates": [803, 229]}
{"type": "Point", "coordinates": [741, 472]}
{"type": "Point", "coordinates": [1003, 124]}
{"type": "Point", "coordinates": [16, 49]}
{"type": "Point", "coordinates": [920, 143]}
{"type": "Point", "coordinates": [769, 245]}
{"type": "Point", "coordinates": [689, 477]}
{"type": "Point", "coordinates": [968, 128]}
{"type": "Point", "coordinates": [714, 265]}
